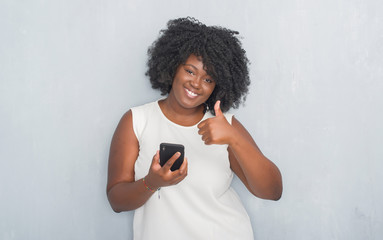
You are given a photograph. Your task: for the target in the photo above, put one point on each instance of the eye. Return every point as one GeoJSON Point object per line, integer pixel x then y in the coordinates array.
{"type": "Point", "coordinates": [208, 80]}
{"type": "Point", "coordinates": [190, 72]}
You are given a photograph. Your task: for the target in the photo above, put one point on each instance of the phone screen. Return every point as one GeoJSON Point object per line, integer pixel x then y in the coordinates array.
{"type": "Point", "coordinates": [167, 150]}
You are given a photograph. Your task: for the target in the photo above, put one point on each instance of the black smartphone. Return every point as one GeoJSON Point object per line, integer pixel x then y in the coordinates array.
{"type": "Point", "coordinates": [167, 150]}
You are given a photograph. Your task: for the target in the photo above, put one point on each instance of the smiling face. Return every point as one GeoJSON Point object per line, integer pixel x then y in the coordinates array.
{"type": "Point", "coordinates": [192, 86]}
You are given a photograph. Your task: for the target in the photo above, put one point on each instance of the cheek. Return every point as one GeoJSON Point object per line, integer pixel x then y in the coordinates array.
{"type": "Point", "coordinates": [210, 89]}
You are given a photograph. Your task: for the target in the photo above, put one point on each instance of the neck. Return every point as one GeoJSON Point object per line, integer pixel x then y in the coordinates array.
{"type": "Point", "coordinates": [180, 115]}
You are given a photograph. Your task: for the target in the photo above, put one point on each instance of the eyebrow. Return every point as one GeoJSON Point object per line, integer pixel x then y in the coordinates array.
{"type": "Point", "coordinates": [191, 65]}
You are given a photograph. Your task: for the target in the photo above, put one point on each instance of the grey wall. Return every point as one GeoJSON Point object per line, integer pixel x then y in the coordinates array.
{"type": "Point", "coordinates": [70, 69]}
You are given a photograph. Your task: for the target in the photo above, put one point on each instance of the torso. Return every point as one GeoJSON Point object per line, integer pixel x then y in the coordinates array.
{"type": "Point", "coordinates": [203, 205]}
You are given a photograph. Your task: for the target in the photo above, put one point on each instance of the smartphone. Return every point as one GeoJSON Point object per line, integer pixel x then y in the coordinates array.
{"type": "Point", "coordinates": [167, 150]}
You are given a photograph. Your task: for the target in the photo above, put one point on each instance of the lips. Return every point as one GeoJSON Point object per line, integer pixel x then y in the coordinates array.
{"type": "Point", "coordinates": [191, 94]}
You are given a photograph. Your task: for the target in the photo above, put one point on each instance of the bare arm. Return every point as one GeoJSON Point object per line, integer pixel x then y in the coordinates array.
{"type": "Point", "coordinates": [124, 193]}
{"type": "Point", "coordinates": [258, 173]}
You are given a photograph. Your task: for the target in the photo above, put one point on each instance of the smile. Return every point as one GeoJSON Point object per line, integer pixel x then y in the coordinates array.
{"type": "Point", "coordinates": [190, 93]}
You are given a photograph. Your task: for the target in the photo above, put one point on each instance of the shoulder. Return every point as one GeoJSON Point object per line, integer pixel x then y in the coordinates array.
{"type": "Point", "coordinates": [145, 107]}
{"type": "Point", "coordinates": [140, 116]}
{"type": "Point", "coordinates": [242, 130]}
{"type": "Point", "coordinates": [236, 123]}
{"type": "Point", "coordinates": [142, 112]}
{"type": "Point", "coordinates": [229, 117]}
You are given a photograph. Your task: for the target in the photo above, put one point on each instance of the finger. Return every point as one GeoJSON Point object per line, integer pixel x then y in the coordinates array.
{"type": "Point", "coordinates": [206, 141]}
{"type": "Point", "coordinates": [205, 137]}
{"type": "Point", "coordinates": [178, 179]}
{"type": "Point", "coordinates": [204, 127]}
{"type": "Point", "coordinates": [201, 131]}
{"type": "Point", "coordinates": [171, 161]}
{"type": "Point", "coordinates": [181, 173]}
{"type": "Point", "coordinates": [202, 124]}
{"type": "Point", "coordinates": [184, 167]}
{"type": "Point", "coordinates": [156, 158]}
{"type": "Point", "coordinates": [217, 108]}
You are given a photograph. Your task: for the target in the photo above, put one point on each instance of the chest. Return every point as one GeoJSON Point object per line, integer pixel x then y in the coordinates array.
{"type": "Point", "coordinates": [208, 165]}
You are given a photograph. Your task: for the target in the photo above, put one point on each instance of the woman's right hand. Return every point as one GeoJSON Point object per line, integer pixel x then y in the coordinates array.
{"type": "Point", "coordinates": [162, 176]}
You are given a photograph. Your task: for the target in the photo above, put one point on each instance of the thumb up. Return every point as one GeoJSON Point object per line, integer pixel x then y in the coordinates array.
{"type": "Point", "coordinates": [217, 109]}
{"type": "Point", "coordinates": [215, 130]}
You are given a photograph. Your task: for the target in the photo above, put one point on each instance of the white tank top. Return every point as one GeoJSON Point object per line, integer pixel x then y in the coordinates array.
{"type": "Point", "coordinates": [203, 205]}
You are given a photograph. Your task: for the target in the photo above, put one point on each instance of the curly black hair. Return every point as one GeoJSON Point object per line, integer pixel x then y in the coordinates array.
{"type": "Point", "coordinates": [221, 52]}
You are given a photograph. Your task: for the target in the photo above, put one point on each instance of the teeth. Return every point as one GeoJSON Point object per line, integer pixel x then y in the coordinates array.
{"type": "Point", "coordinates": [191, 93]}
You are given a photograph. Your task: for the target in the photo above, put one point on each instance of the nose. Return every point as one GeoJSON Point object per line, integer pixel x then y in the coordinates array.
{"type": "Point", "coordinates": [196, 82]}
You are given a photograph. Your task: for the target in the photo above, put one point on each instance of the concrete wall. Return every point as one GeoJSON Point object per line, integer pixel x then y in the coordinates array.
{"type": "Point", "coordinates": [70, 69]}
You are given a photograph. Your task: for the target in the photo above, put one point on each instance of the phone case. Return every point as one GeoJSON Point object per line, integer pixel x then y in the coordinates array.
{"type": "Point", "coordinates": [167, 150]}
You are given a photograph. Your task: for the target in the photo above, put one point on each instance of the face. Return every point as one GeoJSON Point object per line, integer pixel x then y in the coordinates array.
{"type": "Point", "coordinates": [192, 86]}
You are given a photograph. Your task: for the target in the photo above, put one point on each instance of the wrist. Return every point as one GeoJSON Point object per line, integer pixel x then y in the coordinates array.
{"type": "Point", "coordinates": [148, 184]}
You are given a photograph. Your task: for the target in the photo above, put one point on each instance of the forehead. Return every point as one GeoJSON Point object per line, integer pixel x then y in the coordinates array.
{"type": "Point", "coordinates": [196, 62]}
{"type": "Point", "coordinates": [194, 59]}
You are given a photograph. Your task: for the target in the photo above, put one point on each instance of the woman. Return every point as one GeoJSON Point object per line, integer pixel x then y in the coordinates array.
{"type": "Point", "coordinates": [203, 71]}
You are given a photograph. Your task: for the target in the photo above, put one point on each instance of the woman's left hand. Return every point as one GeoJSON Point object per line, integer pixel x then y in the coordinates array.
{"type": "Point", "coordinates": [216, 130]}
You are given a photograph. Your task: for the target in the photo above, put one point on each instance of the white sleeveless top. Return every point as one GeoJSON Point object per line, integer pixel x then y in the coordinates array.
{"type": "Point", "coordinates": [203, 205]}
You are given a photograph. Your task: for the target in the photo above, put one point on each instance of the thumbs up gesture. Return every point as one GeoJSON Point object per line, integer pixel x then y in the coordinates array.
{"type": "Point", "coordinates": [216, 130]}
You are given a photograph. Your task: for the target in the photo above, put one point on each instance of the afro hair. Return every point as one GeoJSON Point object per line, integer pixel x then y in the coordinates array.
{"type": "Point", "coordinates": [221, 52]}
